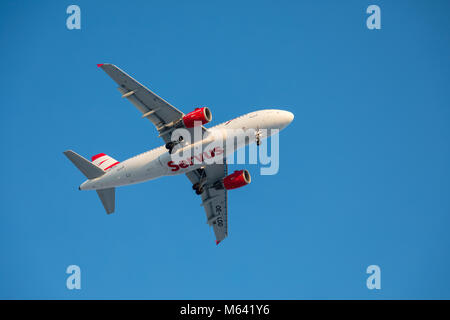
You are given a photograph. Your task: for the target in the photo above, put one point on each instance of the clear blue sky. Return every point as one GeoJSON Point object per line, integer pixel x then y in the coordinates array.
{"type": "Point", "coordinates": [364, 174]}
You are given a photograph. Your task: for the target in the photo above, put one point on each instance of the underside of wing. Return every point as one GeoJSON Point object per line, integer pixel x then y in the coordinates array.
{"type": "Point", "coordinates": [161, 113]}
{"type": "Point", "coordinates": [214, 197]}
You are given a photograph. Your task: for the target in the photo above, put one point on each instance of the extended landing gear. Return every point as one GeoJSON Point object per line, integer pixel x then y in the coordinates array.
{"type": "Point", "coordinates": [198, 188]}
{"type": "Point", "coordinates": [258, 137]}
{"type": "Point", "coordinates": [170, 145]}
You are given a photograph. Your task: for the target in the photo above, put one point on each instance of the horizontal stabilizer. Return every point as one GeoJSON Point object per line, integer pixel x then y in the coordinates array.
{"type": "Point", "coordinates": [89, 169]}
{"type": "Point", "coordinates": [108, 198]}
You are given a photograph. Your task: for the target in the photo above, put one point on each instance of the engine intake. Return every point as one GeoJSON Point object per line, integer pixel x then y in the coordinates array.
{"type": "Point", "coordinates": [237, 179]}
{"type": "Point", "coordinates": [202, 115]}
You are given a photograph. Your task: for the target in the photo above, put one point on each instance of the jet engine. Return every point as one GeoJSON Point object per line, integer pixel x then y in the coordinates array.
{"type": "Point", "coordinates": [237, 179]}
{"type": "Point", "coordinates": [202, 115]}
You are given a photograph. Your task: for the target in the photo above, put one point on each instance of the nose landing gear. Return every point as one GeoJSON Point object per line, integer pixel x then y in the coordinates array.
{"type": "Point", "coordinates": [258, 137]}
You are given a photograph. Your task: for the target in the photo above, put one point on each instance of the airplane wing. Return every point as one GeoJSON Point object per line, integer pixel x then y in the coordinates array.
{"type": "Point", "coordinates": [214, 200]}
{"type": "Point", "coordinates": [162, 114]}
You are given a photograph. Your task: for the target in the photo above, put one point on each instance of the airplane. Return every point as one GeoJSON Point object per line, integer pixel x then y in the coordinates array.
{"type": "Point", "coordinates": [210, 179]}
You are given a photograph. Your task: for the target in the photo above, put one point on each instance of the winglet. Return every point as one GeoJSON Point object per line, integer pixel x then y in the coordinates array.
{"type": "Point", "coordinates": [99, 65]}
{"type": "Point", "coordinates": [217, 242]}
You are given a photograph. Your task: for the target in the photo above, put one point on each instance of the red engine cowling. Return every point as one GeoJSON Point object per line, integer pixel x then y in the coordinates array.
{"type": "Point", "coordinates": [202, 115]}
{"type": "Point", "coordinates": [237, 179]}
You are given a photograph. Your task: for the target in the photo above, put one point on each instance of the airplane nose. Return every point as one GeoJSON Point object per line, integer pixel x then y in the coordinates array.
{"type": "Point", "coordinates": [289, 116]}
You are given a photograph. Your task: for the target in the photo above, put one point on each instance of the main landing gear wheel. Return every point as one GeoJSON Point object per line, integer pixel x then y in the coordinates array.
{"type": "Point", "coordinates": [198, 188]}
{"type": "Point", "coordinates": [170, 145]}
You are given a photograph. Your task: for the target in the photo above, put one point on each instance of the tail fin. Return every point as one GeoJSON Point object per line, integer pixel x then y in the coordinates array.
{"type": "Point", "coordinates": [108, 199]}
{"type": "Point", "coordinates": [104, 161]}
{"type": "Point", "coordinates": [89, 169]}
{"type": "Point", "coordinates": [92, 171]}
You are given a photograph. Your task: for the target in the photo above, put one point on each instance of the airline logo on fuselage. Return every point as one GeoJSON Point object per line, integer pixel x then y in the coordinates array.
{"type": "Point", "coordinates": [183, 164]}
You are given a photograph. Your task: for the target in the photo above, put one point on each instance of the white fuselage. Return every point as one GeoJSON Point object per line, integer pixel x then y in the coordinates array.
{"type": "Point", "coordinates": [187, 157]}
